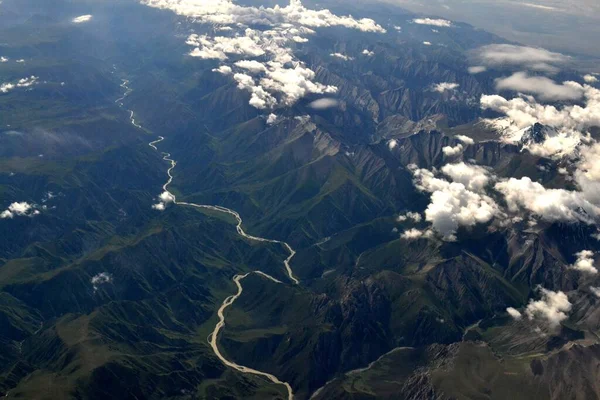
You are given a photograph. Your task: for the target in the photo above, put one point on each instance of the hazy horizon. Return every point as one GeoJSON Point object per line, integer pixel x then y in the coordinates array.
{"type": "Point", "coordinates": [550, 23]}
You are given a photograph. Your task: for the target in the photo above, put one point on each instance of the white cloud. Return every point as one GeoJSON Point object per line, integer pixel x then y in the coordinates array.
{"type": "Point", "coordinates": [21, 83]}
{"type": "Point", "coordinates": [585, 262]}
{"type": "Point", "coordinates": [477, 69]}
{"type": "Point", "coordinates": [453, 204]}
{"type": "Point", "coordinates": [271, 119]}
{"type": "Point", "coordinates": [81, 19]}
{"type": "Point", "coordinates": [252, 66]}
{"type": "Point", "coordinates": [341, 56]}
{"type": "Point", "coordinates": [474, 177]}
{"type": "Point", "coordinates": [164, 199]}
{"type": "Point", "coordinates": [587, 174]}
{"type": "Point", "coordinates": [20, 61]}
{"type": "Point", "coordinates": [26, 82]}
{"type": "Point", "coordinates": [368, 53]}
{"type": "Point", "coordinates": [552, 307]}
{"type": "Point", "coordinates": [259, 98]}
{"type": "Point", "coordinates": [445, 86]}
{"type": "Point", "coordinates": [159, 206]}
{"type": "Point", "coordinates": [536, 59]}
{"type": "Point", "coordinates": [323, 104]}
{"type": "Point", "coordinates": [392, 144]}
{"type": "Point", "coordinates": [220, 46]}
{"type": "Point", "coordinates": [6, 87]}
{"type": "Point", "coordinates": [590, 78]}
{"type": "Point", "coordinates": [544, 88]}
{"type": "Point", "coordinates": [433, 22]}
{"type": "Point", "coordinates": [416, 217]}
{"type": "Point", "coordinates": [3, 59]}
{"type": "Point", "coordinates": [453, 151]}
{"type": "Point", "coordinates": [553, 205]}
{"type": "Point", "coordinates": [19, 209]}
{"type": "Point", "coordinates": [289, 82]}
{"type": "Point", "coordinates": [567, 123]}
{"type": "Point", "coordinates": [450, 151]}
{"type": "Point", "coordinates": [427, 43]}
{"type": "Point", "coordinates": [285, 76]}
{"type": "Point", "coordinates": [101, 279]}
{"type": "Point", "coordinates": [224, 69]}
{"type": "Point", "coordinates": [514, 313]}
{"type": "Point", "coordinates": [413, 234]}
{"type": "Point", "coordinates": [465, 139]}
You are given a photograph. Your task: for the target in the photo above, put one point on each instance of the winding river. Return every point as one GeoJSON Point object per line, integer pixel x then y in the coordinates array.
{"type": "Point", "coordinates": [228, 302]}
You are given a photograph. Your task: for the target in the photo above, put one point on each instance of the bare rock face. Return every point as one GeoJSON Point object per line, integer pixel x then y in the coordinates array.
{"type": "Point", "coordinates": [573, 373]}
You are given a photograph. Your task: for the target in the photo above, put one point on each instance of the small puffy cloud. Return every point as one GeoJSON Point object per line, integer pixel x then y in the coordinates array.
{"type": "Point", "coordinates": [101, 279]}
{"type": "Point", "coordinates": [477, 69]}
{"type": "Point", "coordinates": [159, 206]}
{"type": "Point", "coordinates": [323, 104]}
{"type": "Point", "coordinates": [414, 216]}
{"type": "Point", "coordinates": [427, 43]}
{"type": "Point", "coordinates": [392, 144]}
{"type": "Point", "coordinates": [585, 262]}
{"type": "Point", "coordinates": [544, 88]}
{"type": "Point", "coordinates": [552, 307]}
{"type": "Point", "coordinates": [433, 22]}
{"type": "Point", "coordinates": [514, 313]}
{"type": "Point", "coordinates": [455, 204]}
{"type": "Point", "coordinates": [26, 82]}
{"type": "Point", "coordinates": [6, 87]}
{"type": "Point", "coordinates": [590, 78]}
{"type": "Point", "coordinates": [450, 151]}
{"type": "Point", "coordinates": [341, 56]}
{"type": "Point", "coordinates": [532, 58]}
{"type": "Point", "coordinates": [465, 139]}
{"type": "Point", "coordinates": [271, 119]}
{"type": "Point", "coordinates": [414, 234]}
{"type": "Point", "coordinates": [299, 39]}
{"type": "Point", "coordinates": [19, 209]}
{"type": "Point", "coordinates": [164, 199]}
{"type": "Point", "coordinates": [294, 83]}
{"type": "Point", "coordinates": [251, 65]}
{"type": "Point", "coordinates": [259, 98]}
{"type": "Point", "coordinates": [3, 59]}
{"type": "Point", "coordinates": [20, 61]}
{"type": "Point", "coordinates": [368, 53]}
{"type": "Point", "coordinates": [81, 19]}
{"type": "Point", "coordinates": [474, 177]}
{"type": "Point", "coordinates": [224, 69]}
{"type": "Point", "coordinates": [453, 151]}
{"type": "Point", "coordinates": [220, 47]}
{"type": "Point", "coordinates": [21, 83]}
{"type": "Point", "coordinates": [445, 86]}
